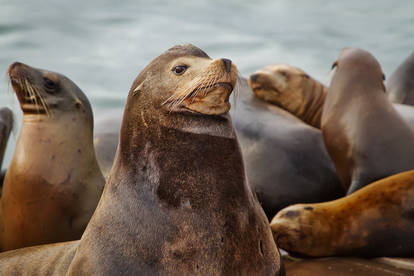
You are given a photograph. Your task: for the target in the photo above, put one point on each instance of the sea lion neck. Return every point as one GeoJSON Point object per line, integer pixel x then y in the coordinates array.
{"type": "Point", "coordinates": [314, 99]}
{"type": "Point", "coordinates": [163, 132]}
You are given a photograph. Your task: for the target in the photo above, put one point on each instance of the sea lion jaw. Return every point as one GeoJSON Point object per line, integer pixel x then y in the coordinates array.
{"type": "Point", "coordinates": [290, 223]}
{"type": "Point", "coordinates": [205, 88]}
{"type": "Point", "coordinates": [279, 84]}
{"type": "Point", "coordinates": [39, 91]}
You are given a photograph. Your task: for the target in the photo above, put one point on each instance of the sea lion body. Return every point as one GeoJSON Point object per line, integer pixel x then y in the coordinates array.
{"type": "Point", "coordinates": [364, 135]}
{"type": "Point", "coordinates": [374, 221]}
{"type": "Point", "coordinates": [53, 183]}
{"type": "Point", "coordinates": [176, 201]}
{"type": "Point", "coordinates": [400, 86]}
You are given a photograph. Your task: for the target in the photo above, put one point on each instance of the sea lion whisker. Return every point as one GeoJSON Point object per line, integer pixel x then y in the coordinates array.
{"type": "Point", "coordinates": [43, 102]}
{"type": "Point", "coordinates": [177, 98]}
{"type": "Point", "coordinates": [32, 95]}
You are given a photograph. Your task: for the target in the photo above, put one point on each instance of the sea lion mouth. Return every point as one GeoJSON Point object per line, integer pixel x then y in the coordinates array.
{"type": "Point", "coordinates": [212, 99]}
{"type": "Point", "coordinates": [206, 89]}
{"type": "Point", "coordinates": [31, 102]}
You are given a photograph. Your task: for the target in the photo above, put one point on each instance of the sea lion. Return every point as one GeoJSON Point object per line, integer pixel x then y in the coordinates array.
{"type": "Point", "coordinates": [293, 90]}
{"type": "Point", "coordinates": [176, 201]}
{"type": "Point", "coordinates": [400, 86]}
{"type": "Point", "coordinates": [6, 124]}
{"type": "Point", "coordinates": [286, 161]}
{"type": "Point", "coordinates": [374, 221]}
{"type": "Point", "coordinates": [364, 135]}
{"type": "Point", "coordinates": [53, 183]}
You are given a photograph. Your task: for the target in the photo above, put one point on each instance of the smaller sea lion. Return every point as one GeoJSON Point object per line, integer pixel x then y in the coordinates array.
{"type": "Point", "coordinates": [292, 89]}
{"type": "Point", "coordinates": [53, 183]}
{"type": "Point", "coordinates": [376, 220]}
{"type": "Point", "coordinates": [400, 86]}
{"type": "Point", "coordinates": [365, 136]}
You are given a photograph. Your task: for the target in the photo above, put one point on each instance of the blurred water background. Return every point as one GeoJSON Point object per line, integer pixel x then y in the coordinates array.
{"type": "Point", "coordinates": [103, 45]}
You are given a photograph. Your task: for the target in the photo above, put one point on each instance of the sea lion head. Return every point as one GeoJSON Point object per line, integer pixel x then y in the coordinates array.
{"type": "Point", "coordinates": [185, 79]}
{"type": "Point", "coordinates": [280, 84]}
{"type": "Point", "coordinates": [298, 228]}
{"type": "Point", "coordinates": [45, 93]}
{"type": "Point", "coordinates": [355, 64]}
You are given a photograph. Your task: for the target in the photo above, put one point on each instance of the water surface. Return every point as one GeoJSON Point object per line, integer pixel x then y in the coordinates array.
{"type": "Point", "coordinates": [103, 45]}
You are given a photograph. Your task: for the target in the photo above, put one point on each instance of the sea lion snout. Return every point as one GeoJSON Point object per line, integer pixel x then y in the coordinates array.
{"type": "Point", "coordinates": [13, 66]}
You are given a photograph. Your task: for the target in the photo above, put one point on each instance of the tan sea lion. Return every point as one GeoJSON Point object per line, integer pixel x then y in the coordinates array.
{"type": "Point", "coordinates": [176, 201]}
{"type": "Point", "coordinates": [53, 183]}
{"type": "Point", "coordinates": [6, 125]}
{"type": "Point", "coordinates": [400, 86]}
{"type": "Point", "coordinates": [376, 220]}
{"type": "Point", "coordinates": [293, 90]}
{"type": "Point", "coordinates": [364, 135]}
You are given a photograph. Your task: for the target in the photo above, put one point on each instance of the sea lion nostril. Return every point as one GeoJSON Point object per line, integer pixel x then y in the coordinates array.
{"type": "Point", "coordinates": [227, 64]}
{"type": "Point", "coordinates": [13, 65]}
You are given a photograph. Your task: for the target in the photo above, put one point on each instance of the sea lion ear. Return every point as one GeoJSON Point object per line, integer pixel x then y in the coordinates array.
{"type": "Point", "coordinates": [306, 75]}
{"type": "Point", "coordinates": [383, 77]}
{"type": "Point", "coordinates": [140, 87]}
{"type": "Point", "coordinates": [334, 65]}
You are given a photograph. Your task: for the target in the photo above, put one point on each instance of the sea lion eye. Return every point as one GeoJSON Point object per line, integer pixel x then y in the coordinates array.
{"type": "Point", "coordinates": [179, 69]}
{"type": "Point", "coordinates": [49, 83]}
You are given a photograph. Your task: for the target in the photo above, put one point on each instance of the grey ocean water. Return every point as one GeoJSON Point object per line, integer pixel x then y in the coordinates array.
{"type": "Point", "coordinates": [102, 45]}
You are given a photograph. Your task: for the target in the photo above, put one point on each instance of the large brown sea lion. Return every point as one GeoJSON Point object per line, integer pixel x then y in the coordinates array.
{"type": "Point", "coordinates": [53, 183]}
{"type": "Point", "coordinates": [376, 220]}
{"type": "Point", "coordinates": [400, 86]}
{"type": "Point", "coordinates": [286, 161]}
{"type": "Point", "coordinates": [176, 201]}
{"type": "Point", "coordinates": [293, 90]}
{"type": "Point", "coordinates": [6, 124]}
{"type": "Point", "coordinates": [364, 135]}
